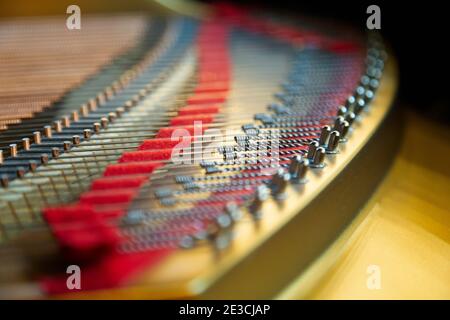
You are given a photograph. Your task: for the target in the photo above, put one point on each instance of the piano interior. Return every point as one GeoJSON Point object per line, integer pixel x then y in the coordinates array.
{"type": "Point", "coordinates": [211, 150]}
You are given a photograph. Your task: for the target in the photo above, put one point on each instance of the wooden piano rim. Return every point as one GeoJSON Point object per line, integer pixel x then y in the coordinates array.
{"type": "Point", "coordinates": [264, 258]}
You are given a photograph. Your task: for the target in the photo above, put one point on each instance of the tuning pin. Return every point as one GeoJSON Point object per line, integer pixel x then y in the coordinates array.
{"type": "Point", "coordinates": [124, 79]}
{"type": "Point", "coordinates": [370, 60]}
{"type": "Point", "coordinates": [233, 210]}
{"type": "Point", "coordinates": [250, 129]}
{"type": "Point", "coordinates": [374, 72]}
{"type": "Point", "coordinates": [13, 150]}
{"type": "Point", "coordinates": [149, 87]}
{"type": "Point", "coordinates": [333, 142]}
{"type": "Point", "coordinates": [65, 121]}
{"type": "Point", "coordinates": [4, 180]}
{"type": "Point", "coordinates": [109, 92]}
{"type": "Point", "coordinates": [359, 106]}
{"type": "Point", "coordinates": [76, 140]}
{"type": "Point", "coordinates": [142, 93]}
{"type": "Point", "coordinates": [32, 165]}
{"type": "Point", "coordinates": [344, 131]}
{"type": "Point", "coordinates": [57, 125]}
{"type": "Point", "coordinates": [350, 117]}
{"type": "Point", "coordinates": [75, 116]}
{"type": "Point", "coordinates": [312, 149]}
{"type": "Point", "coordinates": [262, 193]}
{"type": "Point", "coordinates": [342, 111]}
{"type": "Point", "coordinates": [349, 102]}
{"type": "Point", "coordinates": [116, 86]}
{"type": "Point", "coordinates": [47, 131]}
{"type": "Point", "coordinates": [101, 99]}
{"type": "Point", "coordinates": [26, 143]}
{"type": "Point", "coordinates": [242, 140]}
{"type": "Point", "coordinates": [217, 232]}
{"type": "Point", "coordinates": [212, 231]}
{"type": "Point", "coordinates": [84, 110]}
{"type": "Point", "coordinates": [20, 172]}
{"type": "Point", "coordinates": [187, 242]}
{"type": "Point", "coordinates": [368, 96]}
{"type": "Point", "coordinates": [37, 137]}
{"type": "Point", "coordinates": [224, 221]}
{"type": "Point", "coordinates": [374, 84]}
{"type": "Point", "coordinates": [298, 169]}
{"type": "Point", "coordinates": [324, 134]}
{"type": "Point", "coordinates": [279, 183]}
{"type": "Point", "coordinates": [338, 123]}
{"type": "Point", "coordinates": [119, 112]}
{"type": "Point", "coordinates": [92, 105]}
{"type": "Point", "coordinates": [294, 164]}
{"type": "Point", "coordinates": [319, 157]}
{"type": "Point", "coordinates": [128, 106]}
{"type": "Point", "coordinates": [87, 133]}
{"type": "Point", "coordinates": [365, 81]}
{"type": "Point", "coordinates": [112, 117]}
{"type": "Point", "coordinates": [44, 159]}
{"type": "Point", "coordinates": [55, 152]}
{"type": "Point", "coordinates": [97, 127]}
{"type": "Point", "coordinates": [135, 100]}
{"type": "Point", "coordinates": [67, 145]}
{"type": "Point", "coordinates": [104, 122]}
{"type": "Point", "coordinates": [359, 92]}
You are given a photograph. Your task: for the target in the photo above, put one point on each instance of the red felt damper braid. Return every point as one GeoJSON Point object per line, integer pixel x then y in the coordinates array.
{"type": "Point", "coordinates": [146, 155]}
{"type": "Point", "coordinates": [217, 97]}
{"type": "Point", "coordinates": [221, 86]}
{"type": "Point", "coordinates": [108, 271]}
{"type": "Point", "coordinates": [118, 169]}
{"type": "Point", "coordinates": [82, 232]}
{"type": "Point", "coordinates": [99, 197]}
{"type": "Point", "coordinates": [107, 183]}
{"type": "Point", "coordinates": [199, 109]}
{"type": "Point", "coordinates": [212, 76]}
{"type": "Point", "coordinates": [189, 120]}
{"type": "Point", "coordinates": [165, 143]}
{"type": "Point", "coordinates": [167, 132]}
{"type": "Point", "coordinates": [86, 230]}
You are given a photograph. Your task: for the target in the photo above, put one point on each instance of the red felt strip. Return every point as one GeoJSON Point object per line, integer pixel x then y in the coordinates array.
{"type": "Point", "coordinates": [87, 229]}
{"type": "Point", "coordinates": [82, 232]}
{"type": "Point", "coordinates": [146, 155]}
{"type": "Point", "coordinates": [198, 109]}
{"type": "Point", "coordinates": [189, 120]}
{"type": "Point", "coordinates": [118, 169]}
{"type": "Point", "coordinates": [212, 87]}
{"type": "Point", "coordinates": [167, 132]}
{"type": "Point", "coordinates": [165, 143]}
{"type": "Point", "coordinates": [107, 183]}
{"type": "Point", "coordinates": [95, 197]}
{"type": "Point", "coordinates": [110, 271]}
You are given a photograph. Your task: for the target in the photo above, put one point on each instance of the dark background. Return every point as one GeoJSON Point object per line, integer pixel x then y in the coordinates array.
{"type": "Point", "coordinates": [418, 32]}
